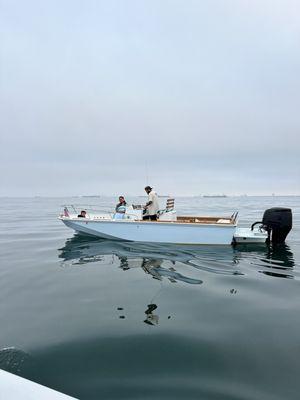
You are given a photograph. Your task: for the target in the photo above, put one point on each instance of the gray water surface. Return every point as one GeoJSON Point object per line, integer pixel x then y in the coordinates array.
{"type": "Point", "coordinates": [113, 320]}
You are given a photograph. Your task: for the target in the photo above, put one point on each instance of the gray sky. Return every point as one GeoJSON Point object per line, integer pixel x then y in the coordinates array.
{"type": "Point", "coordinates": [190, 96]}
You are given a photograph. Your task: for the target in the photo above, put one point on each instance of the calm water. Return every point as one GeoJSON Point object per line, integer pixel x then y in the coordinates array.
{"type": "Point", "coordinates": [109, 320]}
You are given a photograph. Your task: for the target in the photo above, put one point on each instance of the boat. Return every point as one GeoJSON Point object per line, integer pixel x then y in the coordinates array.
{"type": "Point", "coordinates": [91, 195]}
{"type": "Point", "coordinates": [170, 227]}
{"type": "Point", "coordinates": [14, 387]}
{"type": "Point", "coordinates": [214, 196]}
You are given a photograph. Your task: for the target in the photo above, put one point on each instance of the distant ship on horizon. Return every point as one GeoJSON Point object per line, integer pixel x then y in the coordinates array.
{"type": "Point", "coordinates": [90, 195]}
{"type": "Point", "coordinates": [214, 195]}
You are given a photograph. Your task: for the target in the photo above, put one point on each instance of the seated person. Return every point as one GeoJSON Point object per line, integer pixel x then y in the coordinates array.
{"type": "Point", "coordinates": [120, 208]}
{"type": "Point", "coordinates": [82, 214]}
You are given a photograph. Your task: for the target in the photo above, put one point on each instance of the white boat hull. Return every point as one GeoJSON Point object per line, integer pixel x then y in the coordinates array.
{"type": "Point", "coordinates": [14, 387]}
{"type": "Point", "coordinates": [248, 236]}
{"type": "Point", "coordinates": [156, 232]}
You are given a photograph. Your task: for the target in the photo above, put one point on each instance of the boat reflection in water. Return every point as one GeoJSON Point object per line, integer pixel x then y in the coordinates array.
{"type": "Point", "coordinates": [163, 260]}
{"type": "Point", "coordinates": [274, 260]}
{"type": "Point", "coordinates": [185, 264]}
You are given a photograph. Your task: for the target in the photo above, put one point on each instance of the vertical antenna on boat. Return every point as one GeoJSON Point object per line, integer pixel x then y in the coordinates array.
{"type": "Point", "coordinates": [147, 174]}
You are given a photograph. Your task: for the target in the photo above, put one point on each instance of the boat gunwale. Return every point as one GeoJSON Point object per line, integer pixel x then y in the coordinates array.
{"type": "Point", "coordinates": [147, 222]}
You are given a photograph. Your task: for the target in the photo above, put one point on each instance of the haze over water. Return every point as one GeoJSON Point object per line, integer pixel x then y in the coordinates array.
{"type": "Point", "coordinates": [111, 320]}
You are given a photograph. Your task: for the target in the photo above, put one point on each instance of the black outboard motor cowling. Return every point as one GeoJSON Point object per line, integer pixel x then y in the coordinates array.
{"type": "Point", "coordinates": [278, 222]}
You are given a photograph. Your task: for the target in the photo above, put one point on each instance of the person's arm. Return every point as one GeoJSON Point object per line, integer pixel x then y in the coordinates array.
{"type": "Point", "coordinates": [150, 200]}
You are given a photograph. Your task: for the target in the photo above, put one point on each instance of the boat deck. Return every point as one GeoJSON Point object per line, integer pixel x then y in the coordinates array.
{"type": "Point", "coordinates": [205, 220]}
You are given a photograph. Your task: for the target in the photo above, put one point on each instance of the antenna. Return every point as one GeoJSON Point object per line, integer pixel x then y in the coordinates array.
{"type": "Point", "coordinates": [147, 174]}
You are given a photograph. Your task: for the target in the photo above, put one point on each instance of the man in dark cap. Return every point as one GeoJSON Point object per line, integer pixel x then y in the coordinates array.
{"type": "Point", "coordinates": [152, 206]}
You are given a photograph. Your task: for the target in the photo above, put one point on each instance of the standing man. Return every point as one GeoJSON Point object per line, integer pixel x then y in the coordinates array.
{"type": "Point", "coordinates": [152, 205]}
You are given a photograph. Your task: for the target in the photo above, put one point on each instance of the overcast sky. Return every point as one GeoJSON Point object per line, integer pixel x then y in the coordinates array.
{"type": "Point", "coordinates": [189, 96]}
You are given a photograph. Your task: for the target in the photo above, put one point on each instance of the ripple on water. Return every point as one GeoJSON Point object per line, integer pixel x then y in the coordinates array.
{"type": "Point", "coordinates": [145, 321]}
{"type": "Point", "coordinates": [275, 261]}
{"type": "Point", "coordinates": [14, 360]}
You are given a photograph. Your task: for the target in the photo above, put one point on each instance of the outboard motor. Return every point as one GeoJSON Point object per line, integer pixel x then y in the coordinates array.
{"type": "Point", "coordinates": [277, 222]}
{"type": "Point", "coordinates": [274, 227]}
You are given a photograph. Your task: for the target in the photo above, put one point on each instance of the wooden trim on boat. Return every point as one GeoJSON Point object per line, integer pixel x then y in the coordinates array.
{"type": "Point", "coordinates": [204, 220]}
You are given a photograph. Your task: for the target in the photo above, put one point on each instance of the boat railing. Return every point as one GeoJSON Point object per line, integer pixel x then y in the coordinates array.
{"type": "Point", "coordinates": [72, 210]}
{"type": "Point", "coordinates": [96, 212]}
{"type": "Point", "coordinates": [234, 217]}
